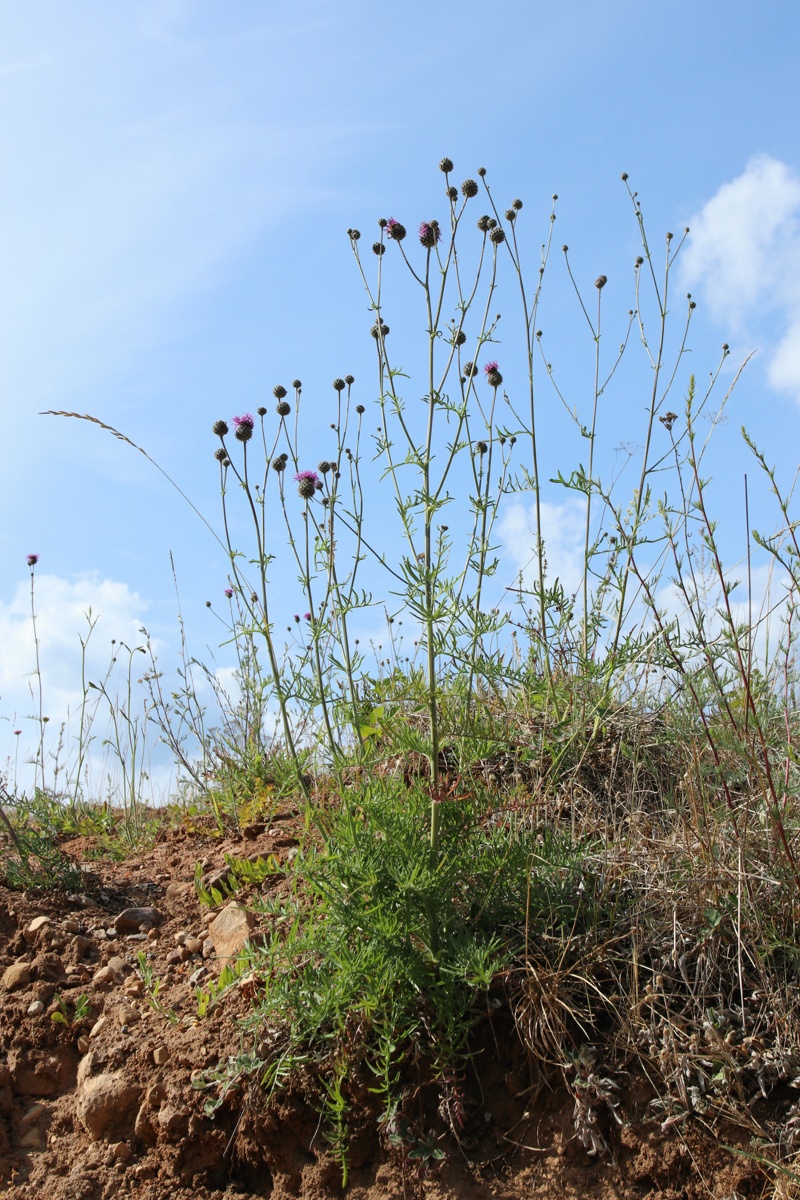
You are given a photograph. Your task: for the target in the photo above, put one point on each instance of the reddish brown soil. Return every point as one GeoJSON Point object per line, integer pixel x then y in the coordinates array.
{"type": "Point", "coordinates": [155, 1142]}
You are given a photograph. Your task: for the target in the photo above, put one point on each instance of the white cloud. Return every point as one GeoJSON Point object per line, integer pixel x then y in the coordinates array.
{"type": "Point", "coordinates": [743, 256]}
{"type": "Point", "coordinates": [563, 530]}
{"type": "Point", "coordinates": [64, 609]}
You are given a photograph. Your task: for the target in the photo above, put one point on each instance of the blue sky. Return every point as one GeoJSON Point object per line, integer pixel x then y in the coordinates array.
{"type": "Point", "coordinates": [178, 179]}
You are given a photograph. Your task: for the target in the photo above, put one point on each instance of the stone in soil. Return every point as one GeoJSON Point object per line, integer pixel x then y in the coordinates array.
{"type": "Point", "coordinates": [231, 929]}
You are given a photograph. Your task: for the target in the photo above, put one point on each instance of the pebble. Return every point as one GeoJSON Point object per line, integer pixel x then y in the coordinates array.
{"type": "Point", "coordinates": [16, 976]}
{"type": "Point", "coordinates": [35, 1009]}
{"type": "Point", "coordinates": [136, 937]}
{"type": "Point", "coordinates": [36, 924]}
{"type": "Point", "coordinates": [198, 976]}
{"type": "Point", "coordinates": [128, 1015]}
{"type": "Point", "coordinates": [33, 1114]}
{"type": "Point", "coordinates": [103, 977]}
{"type": "Point", "coordinates": [97, 1027]}
{"type": "Point", "coordinates": [194, 945]}
{"type": "Point", "coordinates": [82, 1044]}
{"type": "Point", "coordinates": [132, 919]}
{"type": "Point", "coordinates": [72, 926]}
{"type": "Point", "coordinates": [180, 937]}
{"type": "Point", "coordinates": [160, 1055]}
{"type": "Point", "coordinates": [81, 944]}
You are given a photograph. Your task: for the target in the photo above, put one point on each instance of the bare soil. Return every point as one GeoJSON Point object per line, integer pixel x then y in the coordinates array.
{"type": "Point", "coordinates": [104, 1105]}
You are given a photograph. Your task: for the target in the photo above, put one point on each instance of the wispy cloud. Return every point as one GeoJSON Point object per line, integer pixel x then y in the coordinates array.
{"type": "Point", "coordinates": [743, 256]}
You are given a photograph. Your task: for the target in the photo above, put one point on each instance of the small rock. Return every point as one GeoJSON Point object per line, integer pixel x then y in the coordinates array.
{"type": "Point", "coordinates": [136, 937]}
{"type": "Point", "coordinates": [72, 926]}
{"type": "Point", "coordinates": [121, 1152]}
{"type": "Point", "coordinates": [106, 1102]}
{"type": "Point", "coordinates": [160, 1055]}
{"type": "Point", "coordinates": [31, 1140]}
{"type": "Point", "coordinates": [81, 944]}
{"type": "Point", "coordinates": [231, 930]}
{"type": "Point", "coordinates": [173, 1121]}
{"type": "Point", "coordinates": [36, 924]}
{"type": "Point", "coordinates": [198, 976]}
{"type": "Point", "coordinates": [34, 1114]}
{"type": "Point", "coordinates": [194, 945]}
{"type": "Point", "coordinates": [82, 1044]}
{"type": "Point", "coordinates": [117, 964]}
{"type": "Point", "coordinates": [97, 1027]}
{"type": "Point", "coordinates": [16, 976]}
{"type": "Point", "coordinates": [35, 1009]}
{"type": "Point", "coordinates": [126, 1014]}
{"type": "Point", "coordinates": [177, 890]}
{"type": "Point", "coordinates": [208, 948]}
{"type": "Point", "coordinates": [130, 920]}
{"type": "Point", "coordinates": [104, 977]}
{"type": "Point", "coordinates": [180, 937]}
{"type": "Point", "coordinates": [153, 935]}
{"type": "Point", "coordinates": [134, 987]}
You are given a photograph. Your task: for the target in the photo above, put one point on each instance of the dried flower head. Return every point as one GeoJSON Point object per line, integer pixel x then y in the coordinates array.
{"type": "Point", "coordinates": [283, 409]}
{"type": "Point", "coordinates": [349, 380]}
{"type": "Point", "coordinates": [668, 420]}
{"type": "Point", "coordinates": [355, 234]}
{"type": "Point", "coordinates": [244, 426]}
{"type": "Point", "coordinates": [481, 448]}
{"type": "Point", "coordinates": [32, 560]}
{"type": "Point", "coordinates": [378, 248]}
{"type": "Point", "coordinates": [220, 428]}
{"type": "Point", "coordinates": [307, 482]}
{"type": "Point", "coordinates": [469, 188]}
{"type": "Point", "coordinates": [497, 236]}
{"type": "Point", "coordinates": [278, 465]}
{"type": "Point", "coordinates": [446, 165]}
{"type": "Point", "coordinates": [379, 330]}
{"type": "Point", "coordinates": [383, 222]}
{"type": "Point", "coordinates": [395, 230]}
{"type": "Point", "coordinates": [639, 261]}
{"type": "Point", "coordinates": [229, 593]}
{"type": "Point", "coordinates": [484, 223]}
{"type": "Point", "coordinates": [493, 376]}
{"type": "Point", "coordinates": [460, 338]}
{"type": "Point", "coordinates": [360, 409]}
{"type": "Point", "coordinates": [481, 171]}
{"type": "Point", "coordinates": [296, 384]}
{"type": "Point", "coordinates": [517, 204]}
{"type": "Point", "coordinates": [452, 193]}
{"type": "Point", "coordinates": [261, 411]}
{"type": "Point", "coordinates": [511, 214]}
{"type": "Point", "coordinates": [279, 392]}
{"type": "Point", "coordinates": [470, 369]}
{"type": "Point", "coordinates": [601, 282]}
{"type": "Point", "coordinates": [429, 234]}
{"type": "Point", "coordinates": [220, 454]}
{"type": "Point", "coordinates": [339, 385]}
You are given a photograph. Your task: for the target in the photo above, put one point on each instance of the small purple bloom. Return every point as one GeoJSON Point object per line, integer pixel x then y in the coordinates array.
{"type": "Point", "coordinates": [297, 617]}
{"type": "Point", "coordinates": [229, 592]}
{"type": "Point", "coordinates": [32, 560]}
{"type": "Point", "coordinates": [307, 483]}
{"type": "Point", "coordinates": [17, 732]}
{"type": "Point", "coordinates": [429, 233]}
{"type": "Point", "coordinates": [395, 230]}
{"type": "Point", "coordinates": [307, 616]}
{"type": "Point", "coordinates": [244, 419]}
{"type": "Point", "coordinates": [490, 366]}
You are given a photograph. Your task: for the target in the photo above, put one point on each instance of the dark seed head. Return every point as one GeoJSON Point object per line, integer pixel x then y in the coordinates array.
{"type": "Point", "coordinates": [360, 409]}
{"type": "Point", "coordinates": [452, 193]}
{"type": "Point", "coordinates": [469, 188]}
{"type": "Point", "coordinates": [349, 380]}
{"type": "Point", "coordinates": [511, 214]}
{"type": "Point", "coordinates": [283, 409]}
{"type": "Point", "coordinates": [379, 329]}
{"type": "Point", "coordinates": [262, 412]}
{"type": "Point", "coordinates": [354, 234]}
{"type": "Point", "coordinates": [339, 385]}
{"type": "Point", "coordinates": [378, 248]}
{"type": "Point", "coordinates": [497, 236]}
{"type": "Point", "coordinates": [601, 282]}
{"type": "Point", "coordinates": [517, 204]}
{"type": "Point", "coordinates": [220, 428]}
{"type": "Point", "coordinates": [481, 171]}
{"type": "Point", "coordinates": [481, 447]}
{"type": "Point", "coordinates": [244, 431]}
{"type": "Point", "coordinates": [220, 454]}
{"type": "Point", "coordinates": [296, 384]}
{"type": "Point", "coordinates": [470, 369]}
{"type": "Point", "coordinates": [279, 392]}
{"type": "Point", "coordinates": [461, 337]}
{"type": "Point", "coordinates": [484, 223]}
{"type": "Point", "coordinates": [446, 165]}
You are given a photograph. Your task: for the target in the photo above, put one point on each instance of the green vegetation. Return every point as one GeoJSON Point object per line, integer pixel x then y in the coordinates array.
{"type": "Point", "coordinates": [568, 816]}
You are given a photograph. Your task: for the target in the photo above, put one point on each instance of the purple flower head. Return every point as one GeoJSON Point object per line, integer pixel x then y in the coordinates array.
{"type": "Point", "coordinates": [244, 419]}
{"type": "Point", "coordinates": [490, 366]}
{"type": "Point", "coordinates": [493, 376]}
{"type": "Point", "coordinates": [229, 592]}
{"type": "Point", "coordinates": [32, 560]}
{"type": "Point", "coordinates": [297, 617]}
{"type": "Point", "coordinates": [395, 230]}
{"type": "Point", "coordinates": [429, 233]}
{"type": "Point", "coordinates": [307, 483]}
{"type": "Point", "coordinates": [17, 732]}
{"type": "Point", "coordinates": [307, 616]}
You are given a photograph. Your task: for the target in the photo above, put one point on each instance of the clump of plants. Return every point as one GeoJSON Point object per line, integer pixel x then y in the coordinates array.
{"type": "Point", "coordinates": [572, 809]}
